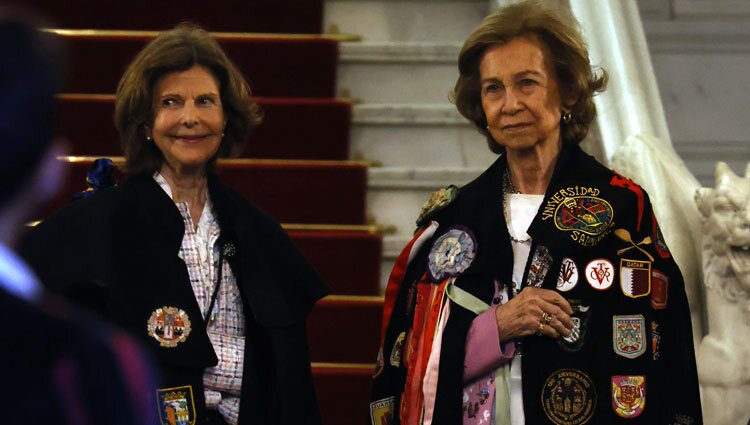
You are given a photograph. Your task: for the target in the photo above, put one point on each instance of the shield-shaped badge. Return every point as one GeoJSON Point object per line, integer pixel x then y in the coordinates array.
{"type": "Point", "coordinates": [397, 349]}
{"type": "Point", "coordinates": [635, 277]}
{"type": "Point", "coordinates": [540, 263]}
{"type": "Point", "coordinates": [659, 290]}
{"type": "Point", "coordinates": [381, 411]}
{"type": "Point", "coordinates": [580, 318]}
{"type": "Point", "coordinates": [629, 395]}
{"type": "Point", "coordinates": [176, 405]}
{"type": "Point", "coordinates": [629, 335]}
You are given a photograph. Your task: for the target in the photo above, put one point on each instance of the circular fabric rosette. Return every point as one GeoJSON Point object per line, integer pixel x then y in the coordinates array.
{"type": "Point", "coordinates": [452, 253]}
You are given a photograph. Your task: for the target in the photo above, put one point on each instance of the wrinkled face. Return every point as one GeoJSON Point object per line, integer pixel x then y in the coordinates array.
{"type": "Point", "coordinates": [520, 95]}
{"type": "Point", "coordinates": [727, 212]}
{"type": "Point", "coordinates": [188, 118]}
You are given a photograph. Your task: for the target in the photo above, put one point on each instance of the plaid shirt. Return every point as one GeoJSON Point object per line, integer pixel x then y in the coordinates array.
{"type": "Point", "coordinates": [226, 328]}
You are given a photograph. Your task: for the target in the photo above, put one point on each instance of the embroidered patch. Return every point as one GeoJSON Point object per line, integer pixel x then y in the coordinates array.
{"type": "Point", "coordinates": [629, 335]}
{"type": "Point", "coordinates": [176, 405]}
{"type": "Point", "coordinates": [580, 318]}
{"type": "Point", "coordinates": [655, 340]}
{"type": "Point", "coordinates": [397, 349]}
{"type": "Point", "coordinates": [452, 253]}
{"type": "Point", "coordinates": [578, 210]}
{"type": "Point", "coordinates": [169, 325]}
{"type": "Point", "coordinates": [569, 397]}
{"type": "Point", "coordinates": [661, 246]}
{"type": "Point", "coordinates": [379, 364]}
{"type": "Point", "coordinates": [659, 290]}
{"type": "Point", "coordinates": [438, 201]}
{"type": "Point", "coordinates": [540, 263]}
{"type": "Point", "coordinates": [635, 277]}
{"type": "Point", "coordinates": [600, 274]}
{"type": "Point", "coordinates": [381, 411]}
{"type": "Point", "coordinates": [629, 395]}
{"type": "Point", "coordinates": [568, 277]}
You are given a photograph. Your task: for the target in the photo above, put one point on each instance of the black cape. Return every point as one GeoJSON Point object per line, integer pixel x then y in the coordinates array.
{"type": "Point", "coordinates": [667, 361]}
{"type": "Point", "coordinates": [116, 252]}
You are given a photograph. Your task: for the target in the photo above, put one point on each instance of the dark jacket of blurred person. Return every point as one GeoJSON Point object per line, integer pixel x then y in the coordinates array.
{"type": "Point", "coordinates": [58, 365]}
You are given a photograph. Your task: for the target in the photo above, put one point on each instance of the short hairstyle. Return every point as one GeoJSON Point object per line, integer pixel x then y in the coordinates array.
{"type": "Point", "coordinates": [179, 49]}
{"type": "Point", "coordinates": [559, 31]}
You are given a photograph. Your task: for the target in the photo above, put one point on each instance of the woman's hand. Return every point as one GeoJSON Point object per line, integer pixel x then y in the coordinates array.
{"type": "Point", "coordinates": [534, 311]}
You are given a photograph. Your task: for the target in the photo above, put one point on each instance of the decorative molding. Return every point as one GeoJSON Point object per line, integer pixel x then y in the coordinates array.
{"type": "Point", "coordinates": [407, 114]}
{"type": "Point", "coordinates": [401, 178]}
{"type": "Point", "coordinates": [699, 37]}
{"type": "Point", "coordinates": [399, 52]}
{"type": "Point", "coordinates": [733, 8]}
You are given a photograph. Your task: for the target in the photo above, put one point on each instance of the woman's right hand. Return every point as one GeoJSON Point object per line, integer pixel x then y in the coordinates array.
{"type": "Point", "coordinates": [534, 311]}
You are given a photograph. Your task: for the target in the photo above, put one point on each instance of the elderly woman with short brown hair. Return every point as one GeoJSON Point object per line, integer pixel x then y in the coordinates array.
{"type": "Point", "coordinates": [212, 285]}
{"type": "Point", "coordinates": [542, 292]}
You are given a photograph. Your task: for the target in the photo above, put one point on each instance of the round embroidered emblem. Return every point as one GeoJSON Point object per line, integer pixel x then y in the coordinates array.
{"type": "Point", "coordinates": [169, 325]}
{"type": "Point", "coordinates": [569, 397]}
{"type": "Point", "coordinates": [568, 277]}
{"type": "Point", "coordinates": [600, 274]}
{"type": "Point", "coordinates": [587, 214]}
{"type": "Point", "coordinates": [452, 253]}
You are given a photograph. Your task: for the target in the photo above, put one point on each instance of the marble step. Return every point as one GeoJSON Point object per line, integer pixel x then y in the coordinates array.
{"type": "Point", "coordinates": [405, 20]}
{"type": "Point", "coordinates": [415, 135]}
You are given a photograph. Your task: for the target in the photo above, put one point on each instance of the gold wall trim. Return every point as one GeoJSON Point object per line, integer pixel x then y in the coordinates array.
{"type": "Point", "coordinates": [365, 299]}
{"type": "Point", "coordinates": [343, 365]}
{"type": "Point", "coordinates": [119, 160]}
{"type": "Point", "coordinates": [96, 33]}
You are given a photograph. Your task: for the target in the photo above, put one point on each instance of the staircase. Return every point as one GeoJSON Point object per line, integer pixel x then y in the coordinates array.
{"type": "Point", "coordinates": [296, 165]}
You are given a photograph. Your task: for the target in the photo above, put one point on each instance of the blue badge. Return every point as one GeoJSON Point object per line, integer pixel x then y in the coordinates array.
{"type": "Point", "coordinates": [452, 253]}
{"type": "Point", "coordinates": [176, 405]}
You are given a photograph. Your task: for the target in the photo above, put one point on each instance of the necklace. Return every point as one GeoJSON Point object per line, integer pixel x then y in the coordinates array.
{"type": "Point", "coordinates": [509, 188]}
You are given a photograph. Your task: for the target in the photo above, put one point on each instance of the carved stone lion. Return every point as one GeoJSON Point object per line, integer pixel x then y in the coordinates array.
{"type": "Point", "coordinates": [724, 354]}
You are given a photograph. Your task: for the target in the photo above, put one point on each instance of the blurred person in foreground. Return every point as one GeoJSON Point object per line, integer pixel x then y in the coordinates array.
{"type": "Point", "coordinates": [542, 292]}
{"type": "Point", "coordinates": [211, 284]}
{"type": "Point", "coordinates": [58, 365]}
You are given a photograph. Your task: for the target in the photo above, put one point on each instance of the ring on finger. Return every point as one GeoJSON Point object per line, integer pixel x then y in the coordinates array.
{"type": "Point", "coordinates": [540, 329]}
{"type": "Point", "coordinates": [547, 317]}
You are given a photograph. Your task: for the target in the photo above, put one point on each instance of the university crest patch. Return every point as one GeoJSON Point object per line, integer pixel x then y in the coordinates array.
{"type": "Point", "coordinates": [629, 395]}
{"type": "Point", "coordinates": [581, 212]}
{"type": "Point", "coordinates": [629, 335]}
{"type": "Point", "coordinates": [176, 405]}
{"type": "Point", "coordinates": [569, 397]}
{"type": "Point", "coordinates": [168, 325]}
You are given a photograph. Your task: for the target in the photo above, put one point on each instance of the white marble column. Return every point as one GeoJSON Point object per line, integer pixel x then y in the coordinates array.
{"type": "Point", "coordinates": [634, 134]}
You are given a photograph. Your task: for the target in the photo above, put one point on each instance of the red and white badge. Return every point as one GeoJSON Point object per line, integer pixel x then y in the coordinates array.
{"type": "Point", "coordinates": [600, 274]}
{"type": "Point", "coordinates": [629, 395]}
{"type": "Point", "coordinates": [568, 277]}
{"type": "Point", "coordinates": [635, 278]}
{"type": "Point", "coordinates": [169, 325]}
{"type": "Point", "coordinates": [659, 290]}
